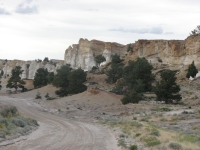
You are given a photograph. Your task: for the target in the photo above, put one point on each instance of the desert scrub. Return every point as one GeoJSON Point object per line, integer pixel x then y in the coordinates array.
{"type": "Point", "coordinates": [150, 140]}
{"type": "Point", "coordinates": [136, 124]}
{"type": "Point", "coordinates": [134, 118]}
{"type": "Point", "coordinates": [50, 98]}
{"type": "Point", "coordinates": [163, 119]}
{"type": "Point", "coordinates": [38, 95]}
{"type": "Point", "coordinates": [155, 133]}
{"type": "Point", "coordinates": [122, 143]}
{"type": "Point", "coordinates": [10, 111]}
{"type": "Point", "coordinates": [133, 147]}
{"type": "Point", "coordinates": [137, 134]}
{"type": "Point", "coordinates": [189, 139]}
{"type": "Point", "coordinates": [146, 118]}
{"type": "Point", "coordinates": [175, 146]}
{"type": "Point", "coordinates": [12, 123]}
{"type": "Point", "coordinates": [162, 109]}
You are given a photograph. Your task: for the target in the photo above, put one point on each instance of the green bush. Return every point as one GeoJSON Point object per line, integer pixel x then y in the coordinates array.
{"type": "Point", "coordinates": [151, 140]}
{"type": "Point", "coordinates": [18, 122]}
{"type": "Point", "coordinates": [137, 134]}
{"type": "Point", "coordinates": [122, 143]}
{"type": "Point", "coordinates": [70, 82]}
{"type": "Point", "coordinates": [38, 95]}
{"type": "Point", "coordinates": [133, 147]}
{"type": "Point", "coordinates": [47, 95]}
{"type": "Point", "coordinates": [94, 69]}
{"type": "Point", "coordinates": [192, 70]}
{"type": "Point", "coordinates": [15, 80]}
{"type": "Point", "coordinates": [4, 121]}
{"type": "Point", "coordinates": [167, 89]}
{"type": "Point", "coordinates": [131, 97]}
{"type": "Point", "coordinates": [99, 59]}
{"type": "Point", "coordinates": [175, 146]}
{"type": "Point", "coordinates": [11, 123]}
{"type": "Point", "coordinates": [146, 118]}
{"type": "Point", "coordinates": [32, 122]}
{"type": "Point", "coordinates": [9, 111]}
{"type": "Point", "coordinates": [40, 78]}
{"type": "Point", "coordinates": [156, 133]}
{"type": "Point", "coordinates": [136, 124]}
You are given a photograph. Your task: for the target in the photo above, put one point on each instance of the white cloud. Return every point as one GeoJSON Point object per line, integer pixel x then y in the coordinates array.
{"type": "Point", "coordinates": [153, 30]}
{"type": "Point", "coordinates": [4, 12]}
{"type": "Point", "coordinates": [60, 23]}
{"type": "Point", "coordinates": [26, 8]}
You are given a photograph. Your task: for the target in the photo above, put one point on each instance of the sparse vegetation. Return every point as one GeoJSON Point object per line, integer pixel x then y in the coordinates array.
{"type": "Point", "coordinates": [196, 31]}
{"type": "Point", "coordinates": [122, 143]}
{"type": "Point", "coordinates": [133, 147]}
{"type": "Point", "coordinates": [11, 123]}
{"type": "Point", "coordinates": [130, 48]}
{"type": "Point", "coordinates": [38, 95]}
{"type": "Point", "coordinates": [175, 146]}
{"type": "Point", "coordinates": [151, 140]}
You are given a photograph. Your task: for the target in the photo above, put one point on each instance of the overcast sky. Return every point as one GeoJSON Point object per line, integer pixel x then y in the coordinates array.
{"type": "Point", "coordinates": [32, 29]}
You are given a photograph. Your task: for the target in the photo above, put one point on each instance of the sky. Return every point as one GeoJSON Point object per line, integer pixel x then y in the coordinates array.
{"type": "Point", "coordinates": [34, 29]}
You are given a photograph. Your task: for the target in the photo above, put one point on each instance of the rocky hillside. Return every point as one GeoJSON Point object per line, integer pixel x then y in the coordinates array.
{"type": "Point", "coordinates": [29, 67]}
{"type": "Point", "coordinates": [177, 54]}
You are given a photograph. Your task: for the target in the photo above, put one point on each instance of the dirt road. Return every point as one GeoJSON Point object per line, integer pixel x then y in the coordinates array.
{"type": "Point", "coordinates": [57, 133]}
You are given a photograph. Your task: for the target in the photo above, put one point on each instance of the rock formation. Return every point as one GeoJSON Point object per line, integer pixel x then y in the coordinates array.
{"type": "Point", "coordinates": [168, 52]}
{"type": "Point", "coordinates": [30, 67]}
{"type": "Point", "coordinates": [158, 52]}
{"type": "Point", "coordinates": [83, 54]}
{"type": "Point", "coordinates": [178, 53]}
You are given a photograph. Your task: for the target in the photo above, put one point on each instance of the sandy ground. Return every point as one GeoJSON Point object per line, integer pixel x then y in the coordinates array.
{"type": "Point", "coordinates": [55, 132]}
{"type": "Point", "coordinates": [75, 122]}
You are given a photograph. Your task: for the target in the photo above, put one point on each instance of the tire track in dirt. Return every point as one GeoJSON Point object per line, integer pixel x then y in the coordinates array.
{"type": "Point", "coordinates": [57, 133]}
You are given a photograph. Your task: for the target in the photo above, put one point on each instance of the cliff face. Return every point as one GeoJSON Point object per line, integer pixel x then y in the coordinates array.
{"type": "Point", "coordinates": [30, 67]}
{"type": "Point", "coordinates": [83, 54]}
{"type": "Point", "coordinates": [158, 52]}
{"type": "Point", "coordinates": [179, 53]}
{"type": "Point", "coordinates": [168, 52]}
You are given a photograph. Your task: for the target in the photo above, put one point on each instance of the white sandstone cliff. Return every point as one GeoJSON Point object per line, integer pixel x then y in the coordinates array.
{"type": "Point", "coordinates": [83, 54]}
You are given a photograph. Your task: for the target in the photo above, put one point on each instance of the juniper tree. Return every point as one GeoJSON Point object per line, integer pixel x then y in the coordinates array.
{"type": "Point", "coordinates": [167, 90]}
{"type": "Point", "coordinates": [99, 59]}
{"type": "Point", "coordinates": [40, 78]}
{"type": "Point", "coordinates": [192, 70]}
{"type": "Point", "coordinates": [15, 80]}
{"type": "Point", "coordinates": [61, 80]}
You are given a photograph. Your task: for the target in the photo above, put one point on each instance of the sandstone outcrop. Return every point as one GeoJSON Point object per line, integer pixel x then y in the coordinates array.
{"type": "Point", "coordinates": [178, 53]}
{"type": "Point", "coordinates": [168, 52]}
{"type": "Point", "coordinates": [83, 54]}
{"type": "Point", "coordinates": [30, 67]}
